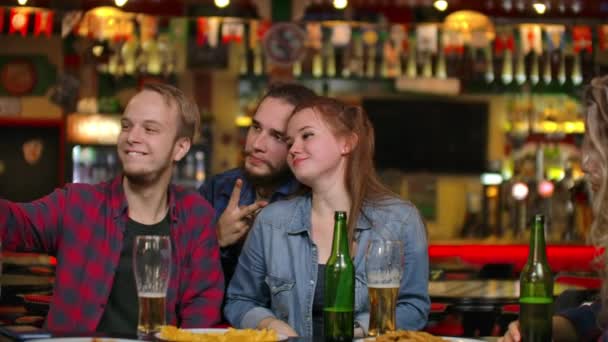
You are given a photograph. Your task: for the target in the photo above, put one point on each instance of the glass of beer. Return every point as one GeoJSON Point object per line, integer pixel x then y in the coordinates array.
{"type": "Point", "coordinates": [384, 267]}
{"type": "Point", "coordinates": [152, 269]}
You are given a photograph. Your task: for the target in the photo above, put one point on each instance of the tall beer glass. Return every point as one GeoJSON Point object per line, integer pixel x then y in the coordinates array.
{"type": "Point", "coordinates": [384, 268]}
{"type": "Point", "coordinates": [152, 269]}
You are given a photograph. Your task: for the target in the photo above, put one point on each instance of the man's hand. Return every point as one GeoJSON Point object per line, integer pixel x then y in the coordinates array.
{"type": "Point", "coordinates": [235, 221]}
{"type": "Point", "coordinates": [512, 334]}
{"type": "Point", "coordinates": [277, 325]}
{"type": "Point", "coordinates": [563, 331]}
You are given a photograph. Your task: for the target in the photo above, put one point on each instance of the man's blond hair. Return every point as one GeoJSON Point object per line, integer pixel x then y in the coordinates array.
{"type": "Point", "coordinates": [186, 108]}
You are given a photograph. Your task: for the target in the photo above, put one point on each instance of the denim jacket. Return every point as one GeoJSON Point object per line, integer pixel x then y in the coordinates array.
{"type": "Point", "coordinates": [277, 271]}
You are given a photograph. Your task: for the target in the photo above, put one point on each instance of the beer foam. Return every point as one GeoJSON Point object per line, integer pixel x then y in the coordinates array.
{"type": "Point", "coordinates": [383, 286]}
{"type": "Point", "coordinates": [151, 294]}
{"type": "Point", "coordinates": [384, 277]}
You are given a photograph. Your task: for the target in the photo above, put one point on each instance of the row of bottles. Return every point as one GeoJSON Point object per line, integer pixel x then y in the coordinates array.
{"type": "Point", "coordinates": [474, 64]}
{"type": "Point", "coordinates": [191, 170]}
{"type": "Point", "coordinates": [93, 164]}
{"type": "Point", "coordinates": [530, 113]}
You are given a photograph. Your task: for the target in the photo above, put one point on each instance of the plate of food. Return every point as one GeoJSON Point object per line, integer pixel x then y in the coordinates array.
{"type": "Point", "coordinates": [171, 333]}
{"type": "Point", "coordinates": [84, 339]}
{"type": "Point", "coordinates": [417, 336]}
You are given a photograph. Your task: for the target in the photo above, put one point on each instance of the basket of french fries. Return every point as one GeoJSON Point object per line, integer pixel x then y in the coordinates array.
{"type": "Point", "coordinates": [407, 336]}
{"type": "Point", "coordinates": [172, 333]}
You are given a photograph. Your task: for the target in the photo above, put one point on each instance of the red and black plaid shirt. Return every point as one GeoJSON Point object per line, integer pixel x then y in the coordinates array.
{"type": "Point", "coordinates": [83, 226]}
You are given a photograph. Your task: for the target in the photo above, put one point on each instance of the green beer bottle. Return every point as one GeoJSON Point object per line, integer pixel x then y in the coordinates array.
{"type": "Point", "coordinates": [339, 290]}
{"type": "Point", "coordinates": [536, 289]}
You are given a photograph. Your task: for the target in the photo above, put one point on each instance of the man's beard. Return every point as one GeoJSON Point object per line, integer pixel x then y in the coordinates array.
{"type": "Point", "coordinates": [147, 177]}
{"type": "Point", "coordinates": [275, 178]}
{"type": "Point", "coordinates": [142, 179]}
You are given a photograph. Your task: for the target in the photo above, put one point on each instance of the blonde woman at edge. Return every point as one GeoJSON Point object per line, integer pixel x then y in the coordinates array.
{"type": "Point", "coordinates": [588, 322]}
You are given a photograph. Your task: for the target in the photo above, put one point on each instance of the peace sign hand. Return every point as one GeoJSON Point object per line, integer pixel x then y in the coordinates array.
{"type": "Point", "coordinates": [236, 221]}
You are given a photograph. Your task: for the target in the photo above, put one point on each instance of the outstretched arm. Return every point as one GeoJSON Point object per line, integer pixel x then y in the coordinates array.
{"type": "Point", "coordinates": [34, 226]}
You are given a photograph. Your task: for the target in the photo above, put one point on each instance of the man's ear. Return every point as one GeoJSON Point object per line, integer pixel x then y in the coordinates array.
{"type": "Point", "coordinates": [182, 146]}
{"type": "Point", "coordinates": [349, 143]}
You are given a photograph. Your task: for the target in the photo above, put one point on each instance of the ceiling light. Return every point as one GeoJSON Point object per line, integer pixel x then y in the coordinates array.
{"type": "Point", "coordinates": [340, 4]}
{"type": "Point", "coordinates": [539, 7]}
{"type": "Point", "coordinates": [120, 3]}
{"type": "Point", "coordinates": [22, 2]}
{"type": "Point", "coordinates": [576, 6]}
{"type": "Point", "coordinates": [221, 3]}
{"type": "Point", "coordinates": [441, 5]}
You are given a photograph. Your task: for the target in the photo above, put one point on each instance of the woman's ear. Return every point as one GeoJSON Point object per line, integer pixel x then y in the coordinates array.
{"type": "Point", "coordinates": [349, 143]}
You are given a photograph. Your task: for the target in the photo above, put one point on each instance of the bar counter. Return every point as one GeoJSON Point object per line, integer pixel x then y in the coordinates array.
{"type": "Point", "coordinates": [477, 253]}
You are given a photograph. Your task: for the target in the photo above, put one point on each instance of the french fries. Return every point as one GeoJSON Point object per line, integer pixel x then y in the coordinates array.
{"type": "Point", "coordinates": [408, 336]}
{"type": "Point", "coordinates": [171, 333]}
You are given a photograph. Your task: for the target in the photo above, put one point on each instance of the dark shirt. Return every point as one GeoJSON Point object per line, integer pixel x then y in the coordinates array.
{"type": "Point", "coordinates": [218, 190]}
{"type": "Point", "coordinates": [83, 225]}
{"type": "Point", "coordinates": [121, 313]}
{"type": "Point", "coordinates": [317, 303]}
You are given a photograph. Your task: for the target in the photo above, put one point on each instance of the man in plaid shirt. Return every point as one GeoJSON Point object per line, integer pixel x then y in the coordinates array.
{"type": "Point", "coordinates": [91, 228]}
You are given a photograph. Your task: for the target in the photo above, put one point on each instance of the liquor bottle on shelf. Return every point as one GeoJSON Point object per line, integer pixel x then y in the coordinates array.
{"type": "Point", "coordinates": [356, 61]}
{"type": "Point", "coordinates": [520, 68]}
{"type": "Point", "coordinates": [561, 72]}
{"type": "Point", "coordinates": [296, 69]}
{"type": "Point", "coordinates": [472, 220]}
{"type": "Point", "coordinates": [385, 62]}
{"type": "Point", "coordinates": [441, 70]}
{"type": "Point", "coordinates": [547, 76]}
{"type": "Point", "coordinates": [577, 74]}
{"type": "Point", "coordinates": [427, 67]}
{"type": "Point", "coordinates": [242, 52]}
{"type": "Point", "coordinates": [370, 67]}
{"type": "Point", "coordinates": [189, 168]}
{"type": "Point", "coordinates": [258, 62]}
{"type": "Point", "coordinates": [489, 74]}
{"type": "Point", "coordinates": [507, 67]}
{"type": "Point", "coordinates": [534, 69]}
{"type": "Point", "coordinates": [200, 174]}
{"type": "Point", "coordinates": [330, 56]}
{"type": "Point", "coordinates": [412, 64]}
{"type": "Point", "coordinates": [346, 56]}
{"type": "Point", "coordinates": [317, 63]}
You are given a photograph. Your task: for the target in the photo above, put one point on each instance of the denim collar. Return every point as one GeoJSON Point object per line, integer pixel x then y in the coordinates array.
{"type": "Point", "coordinates": [299, 222]}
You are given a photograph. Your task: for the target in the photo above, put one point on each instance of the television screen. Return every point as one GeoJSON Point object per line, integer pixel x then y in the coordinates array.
{"type": "Point", "coordinates": [433, 135]}
{"type": "Point", "coordinates": [29, 161]}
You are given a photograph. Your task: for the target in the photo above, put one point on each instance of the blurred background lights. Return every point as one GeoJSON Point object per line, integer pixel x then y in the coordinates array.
{"type": "Point", "coordinates": [539, 7]}
{"type": "Point", "coordinates": [441, 5]}
{"type": "Point", "coordinates": [340, 4]}
{"type": "Point", "coordinates": [519, 191]}
{"type": "Point", "coordinates": [221, 3]}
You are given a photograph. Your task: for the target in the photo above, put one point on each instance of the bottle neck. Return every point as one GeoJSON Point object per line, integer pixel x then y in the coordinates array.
{"type": "Point", "coordinates": [340, 243]}
{"type": "Point", "coordinates": [537, 244]}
